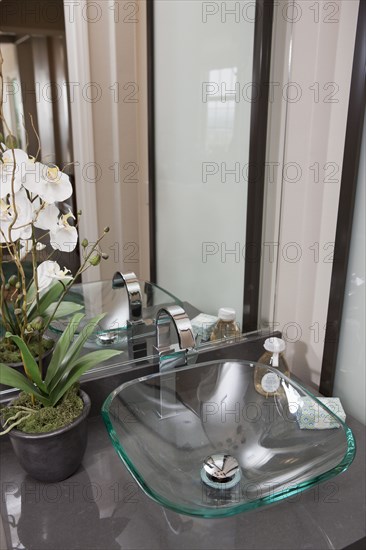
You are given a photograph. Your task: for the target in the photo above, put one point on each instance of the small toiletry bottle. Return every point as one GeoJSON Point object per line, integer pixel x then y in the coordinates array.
{"type": "Point", "coordinates": [266, 382]}
{"type": "Point", "coordinates": [226, 327]}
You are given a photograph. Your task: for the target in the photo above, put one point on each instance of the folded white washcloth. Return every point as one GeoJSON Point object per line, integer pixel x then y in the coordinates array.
{"type": "Point", "coordinates": [310, 416]}
{"type": "Point", "coordinates": [202, 325]}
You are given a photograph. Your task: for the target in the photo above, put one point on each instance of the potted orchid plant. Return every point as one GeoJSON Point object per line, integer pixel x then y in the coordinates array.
{"type": "Point", "coordinates": [46, 423]}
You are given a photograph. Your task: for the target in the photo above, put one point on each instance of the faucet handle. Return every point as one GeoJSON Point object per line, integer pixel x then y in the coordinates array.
{"type": "Point", "coordinates": [132, 285]}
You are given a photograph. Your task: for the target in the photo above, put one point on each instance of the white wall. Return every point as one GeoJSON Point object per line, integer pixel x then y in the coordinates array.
{"type": "Point", "coordinates": [322, 56]}
{"type": "Point", "coordinates": [350, 380]}
{"type": "Point", "coordinates": [12, 100]}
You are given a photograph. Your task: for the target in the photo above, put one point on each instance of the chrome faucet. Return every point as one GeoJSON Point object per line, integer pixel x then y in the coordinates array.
{"type": "Point", "coordinates": [169, 358]}
{"type": "Point", "coordinates": [136, 327]}
{"type": "Point", "coordinates": [132, 285]}
{"type": "Point", "coordinates": [184, 330]}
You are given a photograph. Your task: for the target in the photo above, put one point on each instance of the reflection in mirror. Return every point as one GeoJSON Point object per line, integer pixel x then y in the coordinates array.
{"type": "Point", "coordinates": [36, 94]}
{"type": "Point", "coordinates": [13, 105]}
{"type": "Point", "coordinates": [202, 132]}
{"type": "Point", "coordinates": [205, 97]}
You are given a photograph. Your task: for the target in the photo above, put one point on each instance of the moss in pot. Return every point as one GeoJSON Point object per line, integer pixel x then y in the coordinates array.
{"type": "Point", "coordinates": [47, 422]}
{"type": "Point", "coordinates": [32, 322]}
{"type": "Point", "coordinates": [10, 354]}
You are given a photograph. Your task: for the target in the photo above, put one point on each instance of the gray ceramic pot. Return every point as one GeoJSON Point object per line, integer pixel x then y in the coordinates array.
{"type": "Point", "coordinates": [56, 455]}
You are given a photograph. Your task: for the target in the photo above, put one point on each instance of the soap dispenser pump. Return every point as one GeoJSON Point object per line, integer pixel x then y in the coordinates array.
{"type": "Point", "coordinates": [267, 382]}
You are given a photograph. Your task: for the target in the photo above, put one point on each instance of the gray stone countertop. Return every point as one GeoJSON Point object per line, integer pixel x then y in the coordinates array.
{"type": "Point", "coordinates": [102, 508]}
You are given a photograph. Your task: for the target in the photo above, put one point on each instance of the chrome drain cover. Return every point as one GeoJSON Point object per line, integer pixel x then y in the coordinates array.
{"type": "Point", "coordinates": [106, 338]}
{"type": "Point", "coordinates": [221, 471]}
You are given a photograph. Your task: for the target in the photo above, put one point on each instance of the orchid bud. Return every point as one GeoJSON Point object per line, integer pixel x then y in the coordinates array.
{"type": "Point", "coordinates": [37, 323]}
{"type": "Point", "coordinates": [18, 285]}
{"type": "Point", "coordinates": [106, 229]}
{"type": "Point", "coordinates": [84, 243]}
{"type": "Point", "coordinates": [95, 260]}
{"type": "Point", "coordinates": [11, 142]}
{"type": "Point", "coordinates": [13, 280]}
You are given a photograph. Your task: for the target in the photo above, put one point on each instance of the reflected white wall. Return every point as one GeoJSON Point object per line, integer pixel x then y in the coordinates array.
{"type": "Point", "coordinates": [13, 106]}
{"type": "Point", "coordinates": [203, 70]}
{"type": "Point", "coordinates": [350, 380]}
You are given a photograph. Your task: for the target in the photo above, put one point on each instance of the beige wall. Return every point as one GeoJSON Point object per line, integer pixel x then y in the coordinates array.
{"type": "Point", "coordinates": [106, 44]}
{"type": "Point", "coordinates": [117, 66]}
{"type": "Point", "coordinates": [322, 53]}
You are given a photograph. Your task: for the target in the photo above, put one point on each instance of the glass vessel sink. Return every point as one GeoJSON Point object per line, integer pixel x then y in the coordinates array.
{"type": "Point", "coordinates": [202, 441]}
{"type": "Point", "coordinates": [101, 296]}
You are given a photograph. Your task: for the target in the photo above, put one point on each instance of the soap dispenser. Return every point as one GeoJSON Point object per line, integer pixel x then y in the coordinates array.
{"type": "Point", "coordinates": [267, 382]}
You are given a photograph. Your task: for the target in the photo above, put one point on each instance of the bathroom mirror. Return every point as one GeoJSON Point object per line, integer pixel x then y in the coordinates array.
{"type": "Point", "coordinates": [206, 130]}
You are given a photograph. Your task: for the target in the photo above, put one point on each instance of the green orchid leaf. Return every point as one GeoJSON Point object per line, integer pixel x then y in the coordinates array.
{"type": "Point", "coordinates": [14, 379]}
{"type": "Point", "coordinates": [31, 293]}
{"type": "Point", "coordinates": [48, 297]}
{"type": "Point", "coordinates": [61, 348]}
{"type": "Point", "coordinates": [29, 362]}
{"type": "Point", "coordinates": [74, 350]}
{"type": "Point", "coordinates": [64, 309]}
{"type": "Point", "coordinates": [9, 319]}
{"type": "Point", "coordinates": [73, 374]}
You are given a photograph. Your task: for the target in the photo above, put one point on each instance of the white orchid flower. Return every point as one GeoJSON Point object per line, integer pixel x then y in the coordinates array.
{"type": "Point", "coordinates": [49, 183]}
{"type": "Point", "coordinates": [48, 272]}
{"type": "Point", "coordinates": [7, 170]}
{"type": "Point", "coordinates": [47, 217]}
{"type": "Point", "coordinates": [64, 236]}
{"type": "Point", "coordinates": [22, 227]}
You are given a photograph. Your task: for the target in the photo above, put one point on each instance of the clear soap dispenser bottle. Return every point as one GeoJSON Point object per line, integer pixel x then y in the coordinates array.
{"type": "Point", "coordinates": [226, 327]}
{"type": "Point", "coordinates": [267, 382]}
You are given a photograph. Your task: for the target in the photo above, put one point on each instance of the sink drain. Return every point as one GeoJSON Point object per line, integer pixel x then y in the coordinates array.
{"type": "Point", "coordinates": [106, 338]}
{"type": "Point", "coordinates": [220, 471]}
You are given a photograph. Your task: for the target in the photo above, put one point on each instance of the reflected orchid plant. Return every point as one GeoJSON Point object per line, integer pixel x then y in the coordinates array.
{"type": "Point", "coordinates": [31, 197]}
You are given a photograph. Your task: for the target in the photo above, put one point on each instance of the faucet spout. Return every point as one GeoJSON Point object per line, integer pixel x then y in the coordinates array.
{"type": "Point", "coordinates": [184, 330]}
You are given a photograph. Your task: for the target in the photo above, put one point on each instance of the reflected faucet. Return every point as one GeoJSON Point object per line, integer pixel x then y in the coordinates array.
{"type": "Point", "coordinates": [184, 330]}
{"type": "Point", "coordinates": [132, 285]}
{"type": "Point", "coordinates": [136, 328]}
